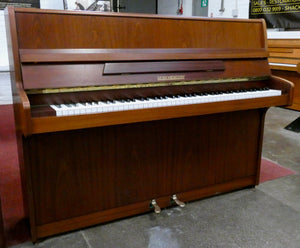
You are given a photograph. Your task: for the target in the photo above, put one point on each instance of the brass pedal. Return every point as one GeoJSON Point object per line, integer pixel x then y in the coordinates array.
{"type": "Point", "coordinates": [178, 202]}
{"type": "Point", "coordinates": [153, 204]}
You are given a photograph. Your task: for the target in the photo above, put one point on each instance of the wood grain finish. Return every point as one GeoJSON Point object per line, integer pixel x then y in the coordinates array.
{"type": "Point", "coordinates": [138, 208]}
{"type": "Point", "coordinates": [53, 123]}
{"type": "Point", "coordinates": [162, 67]}
{"type": "Point", "coordinates": [295, 78]}
{"type": "Point", "coordinates": [87, 30]}
{"type": "Point", "coordinates": [2, 233]}
{"type": "Point", "coordinates": [71, 75]}
{"type": "Point", "coordinates": [285, 59]}
{"type": "Point", "coordinates": [83, 170]}
{"type": "Point", "coordinates": [141, 161]}
{"type": "Point", "coordinates": [89, 55]}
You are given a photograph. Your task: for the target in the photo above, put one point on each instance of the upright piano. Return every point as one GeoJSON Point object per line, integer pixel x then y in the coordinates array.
{"type": "Point", "coordinates": [121, 114]}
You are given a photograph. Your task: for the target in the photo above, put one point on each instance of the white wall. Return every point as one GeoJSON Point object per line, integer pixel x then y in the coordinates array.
{"type": "Point", "coordinates": [3, 44]}
{"type": "Point", "coordinates": [239, 7]}
{"type": "Point", "coordinates": [198, 10]}
{"type": "Point", "coordinates": [53, 4]}
{"type": "Point", "coordinates": [169, 7]}
{"type": "Point", "coordinates": [242, 7]}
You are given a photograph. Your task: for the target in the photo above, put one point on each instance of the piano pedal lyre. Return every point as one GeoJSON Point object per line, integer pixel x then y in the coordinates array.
{"type": "Point", "coordinates": [153, 204]}
{"type": "Point", "coordinates": [177, 201]}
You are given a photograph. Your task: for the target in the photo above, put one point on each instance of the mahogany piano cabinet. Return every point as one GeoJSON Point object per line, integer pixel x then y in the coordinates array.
{"type": "Point", "coordinates": [119, 114]}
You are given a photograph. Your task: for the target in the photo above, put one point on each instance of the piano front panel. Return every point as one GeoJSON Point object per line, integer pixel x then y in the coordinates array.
{"type": "Point", "coordinates": [116, 166]}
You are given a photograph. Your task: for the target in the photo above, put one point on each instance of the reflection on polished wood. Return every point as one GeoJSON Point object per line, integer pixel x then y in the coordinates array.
{"type": "Point", "coordinates": [86, 169]}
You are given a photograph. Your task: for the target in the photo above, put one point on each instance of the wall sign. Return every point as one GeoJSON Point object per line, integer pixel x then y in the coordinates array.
{"type": "Point", "coordinates": [20, 3]}
{"type": "Point", "coordinates": [277, 13]}
{"type": "Point", "coordinates": [204, 3]}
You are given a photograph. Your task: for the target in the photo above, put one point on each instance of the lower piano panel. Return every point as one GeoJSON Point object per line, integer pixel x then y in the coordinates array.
{"type": "Point", "coordinates": [137, 208]}
{"type": "Point", "coordinates": [88, 176]}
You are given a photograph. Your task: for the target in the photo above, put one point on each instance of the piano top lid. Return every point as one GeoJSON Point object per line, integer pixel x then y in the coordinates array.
{"type": "Point", "coordinates": [58, 29]}
{"type": "Point", "coordinates": [124, 14]}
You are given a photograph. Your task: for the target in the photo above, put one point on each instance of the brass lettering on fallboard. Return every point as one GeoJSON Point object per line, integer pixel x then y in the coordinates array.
{"type": "Point", "coordinates": [170, 78]}
{"type": "Point", "coordinates": [142, 85]}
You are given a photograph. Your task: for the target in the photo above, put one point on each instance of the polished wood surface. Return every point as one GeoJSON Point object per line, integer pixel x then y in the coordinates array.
{"type": "Point", "coordinates": [285, 53]}
{"type": "Point", "coordinates": [127, 166]}
{"type": "Point", "coordinates": [138, 208]}
{"type": "Point", "coordinates": [295, 78]}
{"type": "Point", "coordinates": [2, 233]}
{"type": "Point", "coordinates": [51, 124]}
{"type": "Point", "coordinates": [88, 169]}
{"type": "Point", "coordinates": [75, 29]}
{"type": "Point", "coordinates": [75, 55]}
{"type": "Point", "coordinates": [72, 75]}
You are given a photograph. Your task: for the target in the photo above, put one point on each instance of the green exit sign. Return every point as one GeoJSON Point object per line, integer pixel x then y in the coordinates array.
{"type": "Point", "coordinates": [204, 3]}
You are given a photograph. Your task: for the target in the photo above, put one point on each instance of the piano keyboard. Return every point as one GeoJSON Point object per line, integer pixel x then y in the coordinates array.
{"type": "Point", "coordinates": [160, 101]}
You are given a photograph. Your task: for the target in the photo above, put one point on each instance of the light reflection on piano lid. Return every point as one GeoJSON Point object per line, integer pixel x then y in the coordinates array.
{"type": "Point", "coordinates": [283, 64]}
{"type": "Point", "coordinates": [142, 85]}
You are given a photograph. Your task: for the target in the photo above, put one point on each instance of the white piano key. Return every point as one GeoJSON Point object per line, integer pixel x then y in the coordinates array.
{"type": "Point", "coordinates": [57, 109]}
{"type": "Point", "coordinates": [66, 110]}
{"type": "Point", "coordinates": [82, 108]}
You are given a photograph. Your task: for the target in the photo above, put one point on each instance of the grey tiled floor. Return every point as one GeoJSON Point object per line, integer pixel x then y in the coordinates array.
{"type": "Point", "coordinates": [262, 217]}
